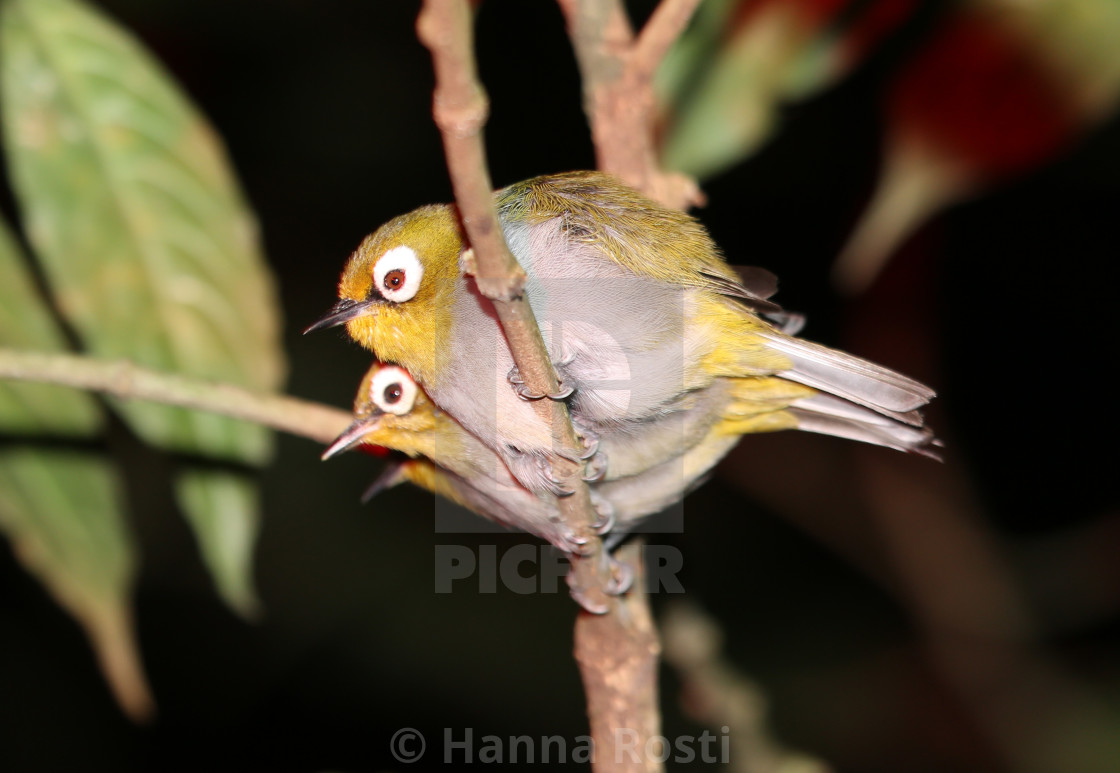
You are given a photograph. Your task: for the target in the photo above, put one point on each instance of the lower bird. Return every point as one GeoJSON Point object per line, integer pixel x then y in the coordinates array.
{"type": "Point", "coordinates": [392, 411]}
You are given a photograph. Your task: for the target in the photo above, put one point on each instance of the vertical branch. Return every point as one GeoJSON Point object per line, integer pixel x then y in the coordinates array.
{"type": "Point", "coordinates": [665, 25]}
{"type": "Point", "coordinates": [617, 656]}
{"type": "Point", "coordinates": [460, 109]}
{"type": "Point", "coordinates": [618, 651]}
{"type": "Point", "coordinates": [617, 71]}
{"type": "Point", "coordinates": [601, 36]}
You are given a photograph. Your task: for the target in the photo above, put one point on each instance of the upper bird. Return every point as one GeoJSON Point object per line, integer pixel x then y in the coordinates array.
{"type": "Point", "coordinates": [641, 316]}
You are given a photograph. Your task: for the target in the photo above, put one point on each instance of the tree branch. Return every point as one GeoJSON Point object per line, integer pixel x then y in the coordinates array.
{"type": "Point", "coordinates": [616, 651]}
{"type": "Point", "coordinates": [122, 379]}
{"type": "Point", "coordinates": [617, 74]}
{"type": "Point", "coordinates": [460, 108]}
{"type": "Point", "coordinates": [665, 25]}
{"type": "Point", "coordinates": [617, 656]}
{"type": "Point", "coordinates": [715, 694]}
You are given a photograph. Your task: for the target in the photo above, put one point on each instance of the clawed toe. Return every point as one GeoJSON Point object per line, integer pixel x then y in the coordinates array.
{"type": "Point", "coordinates": [558, 489]}
{"type": "Point", "coordinates": [596, 460]}
{"type": "Point", "coordinates": [622, 578]}
{"type": "Point", "coordinates": [576, 545]}
{"type": "Point", "coordinates": [522, 391]}
{"type": "Point", "coordinates": [590, 443]}
{"type": "Point", "coordinates": [596, 468]}
{"type": "Point", "coordinates": [606, 515]}
{"type": "Point", "coordinates": [554, 485]}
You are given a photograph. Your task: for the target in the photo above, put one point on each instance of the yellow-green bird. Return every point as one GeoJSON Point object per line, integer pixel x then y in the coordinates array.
{"type": "Point", "coordinates": [641, 314]}
{"type": "Point", "coordinates": [393, 412]}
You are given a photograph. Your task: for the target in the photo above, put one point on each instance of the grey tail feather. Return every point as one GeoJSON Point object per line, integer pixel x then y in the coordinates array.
{"type": "Point", "coordinates": [755, 288]}
{"type": "Point", "coordinates": [789, 322]}
{"type": "Point", "coordinates": [854, 379]}
{"type": "Point", "coordinates": [758, 281]}
{"type": "Point", "coordinates": [830, 415]}
{"type": "Point", "coordinates": [754, 295]}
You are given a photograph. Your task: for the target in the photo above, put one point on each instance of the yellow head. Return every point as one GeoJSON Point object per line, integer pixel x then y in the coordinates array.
{"type": "Point", "coordinates": [396, 290]}
{"type": "Point", "coordinates": [392, 411]}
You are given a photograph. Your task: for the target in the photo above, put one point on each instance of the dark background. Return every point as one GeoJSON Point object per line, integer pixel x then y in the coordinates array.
{"type": "Point", "coordinates": [1004, 304]}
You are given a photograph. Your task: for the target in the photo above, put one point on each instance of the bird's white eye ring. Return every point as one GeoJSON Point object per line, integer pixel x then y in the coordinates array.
{"type": "Point", "coordinates": [393, 391]}
{"type": "Point", "coordinates": [397, 274]}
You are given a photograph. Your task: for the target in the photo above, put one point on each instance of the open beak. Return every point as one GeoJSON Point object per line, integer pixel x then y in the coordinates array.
{"type": "Point", "coordinates": [349, 438]}
{"type": "Point", "coordinates": [341, 313]}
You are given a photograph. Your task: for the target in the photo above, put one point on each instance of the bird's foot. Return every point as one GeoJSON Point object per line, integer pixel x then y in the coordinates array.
{"type": "Point", "coordinates": [596, 468]}
{"type": "Point", "coordinates": [622, 576]}
{"type": "Point", "coordinates": [593, 455]}
{"type": "Point", "coordinates": [596, 600]}
{"type": "Point", "coordinates": [518, 383]}
{"type": "Point", "coordinates": [605, 514]}
{"type": "Point", "coordinates": [573, 544]}
{"type": "Point", "coordinates": [534, 471]}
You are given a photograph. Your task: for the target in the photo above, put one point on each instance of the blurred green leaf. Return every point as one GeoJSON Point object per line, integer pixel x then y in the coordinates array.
{"type": "Point", "coordinates": [127, 197]}
{"type": "Point", "coordinates": [223, 511]}
{"type": "Point", "coordinates": [26, 323]}
{"type": "Point", "coordinates": [62, 512]}
{"type": "Point", "coordinates": [722, 85]}
{"type": "Point", "coordinates": [694, 51]}
{"type": "Point", "coordinates": [146, 241]}
{"type": "Point", "coordinates": [61, 508]}
{"type": "Point", "coordinates": [718, 86]}
{"type": "Point", "coordinates": [1076, 38]}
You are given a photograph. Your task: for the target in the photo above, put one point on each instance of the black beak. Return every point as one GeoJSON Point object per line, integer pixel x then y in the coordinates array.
{"type": "Point", "coordinates": [349, 438]}
{"type": "Point", "coordinates": [388, 478]}
{"type": "Point", "coordinates": [341, 313]}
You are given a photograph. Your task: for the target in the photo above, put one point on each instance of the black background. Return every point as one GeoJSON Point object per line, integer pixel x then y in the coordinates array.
{"type": "Point", "coordinates": [1003, 303]}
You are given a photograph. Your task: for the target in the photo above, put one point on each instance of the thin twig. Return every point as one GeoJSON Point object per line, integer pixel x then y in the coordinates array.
{"type": "Point", "coordinates": [665, 25]}
{"type": "Point", "coordinates": [979, 630]}
{"type": "Point", "coordinates": [716, 694]}
{"type": "Point", "coordinates": [122, 379]}
{"type": "Point", "coordinates": [618, 97]}
{"type": "Point", "coordinates": [460, 108]}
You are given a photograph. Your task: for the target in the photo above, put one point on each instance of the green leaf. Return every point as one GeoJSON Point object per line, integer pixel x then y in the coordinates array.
{"type": "Point", "coordinates": [145, 239]}
{"type": "Point", "coordinates": [61, 509]}
{"type": "Point", "coordinates": [722, 86]}
{"type": "Point", "coordinates": [62, 512]}
{"type": "Point", "coordinates": [25, 323]}
{"type": "Point", "coordinates": [128, 199]}
{"type": "Point", "coordinates": [719, 89]}
{"type": "Point", "coordinates": [222, 509]}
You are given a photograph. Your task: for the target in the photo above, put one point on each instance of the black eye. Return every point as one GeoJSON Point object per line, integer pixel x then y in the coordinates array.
{"type": "Point", "coordinates": [392, 393]}
{"type": "Point", "coordinates": [394, 280]}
